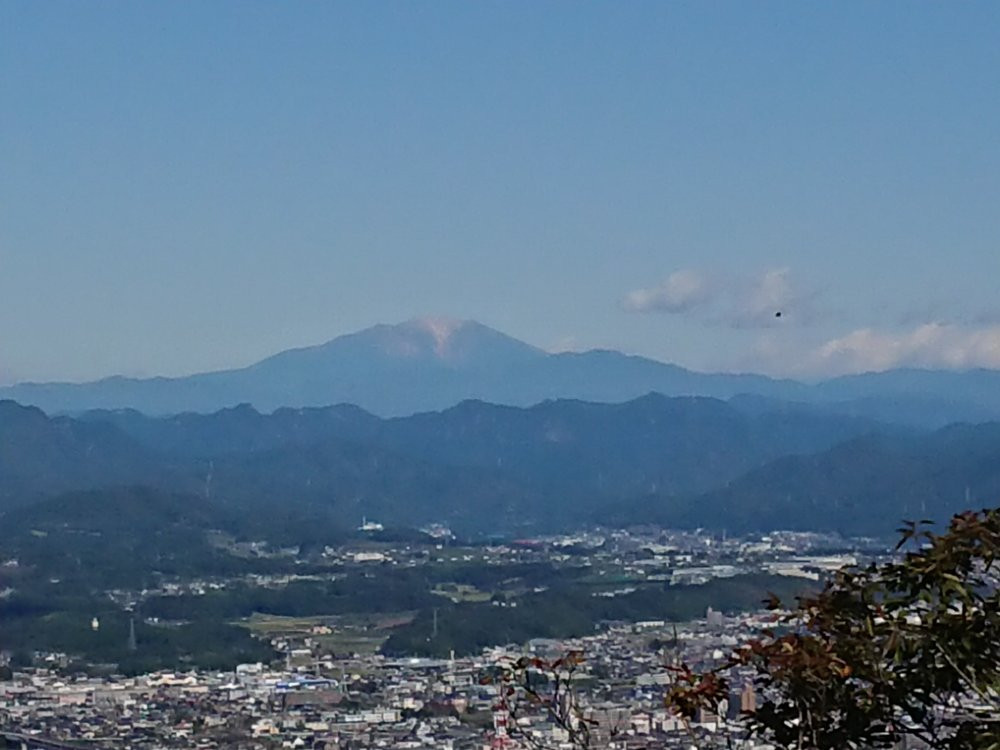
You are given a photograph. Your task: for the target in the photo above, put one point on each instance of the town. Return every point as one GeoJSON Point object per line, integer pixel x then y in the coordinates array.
{"type": "Point", "coordinates": [335, 681]}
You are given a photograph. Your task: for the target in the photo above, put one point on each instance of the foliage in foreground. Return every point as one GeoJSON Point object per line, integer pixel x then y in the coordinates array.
{"type": "Point", "coordinates": [528, 685]}
{"type": "Point", "coordinates": [908, 649]}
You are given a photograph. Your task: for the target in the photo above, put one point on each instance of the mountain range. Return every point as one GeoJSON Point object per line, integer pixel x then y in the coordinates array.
{"type": "Point", "coordinates": [431, 364]}
{"type": "Point", "coordinates": [311, 474]}
{"type": "Point", "coordinates": [450, 421]}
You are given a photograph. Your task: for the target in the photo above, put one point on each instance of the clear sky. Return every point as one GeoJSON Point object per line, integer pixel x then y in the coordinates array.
{"type": "Point", "coordinates": [191, 186]}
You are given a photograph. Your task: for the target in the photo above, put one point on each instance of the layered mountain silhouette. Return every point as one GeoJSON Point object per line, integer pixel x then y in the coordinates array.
{"type": "Point", "coordinates": [869, 484]}
{"type": "Point", "coordinates": [431, 364]}
{"type": "Point", "coordinates": [441, 420]}
{"type": "Point", "coordinates": [654, 442]}
{"type": "Point", "coordinates": [41, 456]}
{"type": "Point", "coordinates": [746, 464]}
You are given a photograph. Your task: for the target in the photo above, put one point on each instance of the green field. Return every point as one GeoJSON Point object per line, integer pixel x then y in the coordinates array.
{"type": "Point", "coordinates": [343, 634]}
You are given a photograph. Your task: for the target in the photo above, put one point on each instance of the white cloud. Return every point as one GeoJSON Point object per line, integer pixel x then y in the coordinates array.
{"type": "Point", "coordinates": [789, 344]}
{"type": "Point", "coordinates": [721, 299]}
{"type": "Point", "coordinates": [757, 302]}
{"type": "Point", "coordinates": [681, 291]}
{"type": "Point", "coordinates": [932, 345]}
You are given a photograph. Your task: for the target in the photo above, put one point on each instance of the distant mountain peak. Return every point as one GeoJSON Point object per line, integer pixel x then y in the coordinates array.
{"type": "Point", "coordinates": [443, 340]}
{"type": "Point", "coordinates": [439, 326]}
{"type": "Point", "coordinates": [441, 329]}
{"type": "Point", "coordinates": [433, 362]}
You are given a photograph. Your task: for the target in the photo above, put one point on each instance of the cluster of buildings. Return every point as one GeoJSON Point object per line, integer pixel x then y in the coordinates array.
{"type": "Point", "coordinates": [639, 555]}
{"type": "Point", "coordinates": [367, 700]}
{"type": "Point", "coordinates": [370, 701]}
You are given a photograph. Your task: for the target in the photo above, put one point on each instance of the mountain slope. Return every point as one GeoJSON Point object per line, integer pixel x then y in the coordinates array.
{"type": "Point", "coordinates": [430, 364]}
{"type": "Point", "coordinates": [593, 450]}
{"type": "Point", "coordinates": [239, 429]}
{"type": "Point", "coordinates": [651, 443]}
{"type": "Point", "coordinates": [866, 485]}
{"type": "Point", "coordinates": [483, 468]}
{"type": "Point", "coordinates": [114, 534]}
{"type": "Point", "coordinates": [39, 455]}
{"type": "Point", "coordinates": [420, 365]}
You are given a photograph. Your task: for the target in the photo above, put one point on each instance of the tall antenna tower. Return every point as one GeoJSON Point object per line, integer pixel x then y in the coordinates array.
{"type": "Point", "coordinates": [501, 723]}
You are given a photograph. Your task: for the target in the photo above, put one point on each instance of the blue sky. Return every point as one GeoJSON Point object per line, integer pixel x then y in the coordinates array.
{"type": "Point", "coordinates": [191, 186]}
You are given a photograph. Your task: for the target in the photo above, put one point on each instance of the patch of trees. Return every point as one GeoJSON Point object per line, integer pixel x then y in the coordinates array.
{"type": "Point", "coordinates": [570, 610]}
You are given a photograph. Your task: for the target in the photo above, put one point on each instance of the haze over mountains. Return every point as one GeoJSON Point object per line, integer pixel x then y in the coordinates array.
{"type": "Point", "coordinates": [447, 421]}
{"type": "Point", "coordinates": [431, 364]}
{"type": "Point", "coordinates": [310, 474]}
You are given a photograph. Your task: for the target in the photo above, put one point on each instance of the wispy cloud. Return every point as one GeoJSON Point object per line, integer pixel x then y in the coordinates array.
{"type": "Point", "coordinates": [773, 298]}
{"type": "Point", "coordinates": [933, 345]}
{"type": "Point", "coordinates": [725, 299]}
{"type": "Point", "coordinates": [952, 309]}
{"type": "Point", "coordinates": [934, 333]}
{"type": "Point", "coordinates": [682, 291]}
